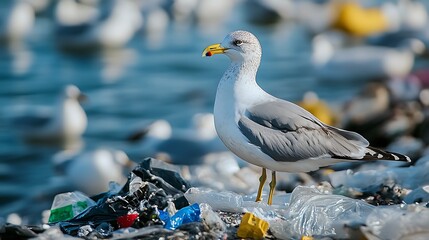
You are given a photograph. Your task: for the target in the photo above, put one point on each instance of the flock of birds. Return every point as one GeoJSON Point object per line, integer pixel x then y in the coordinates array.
{"type": "Point", "coordinates": [91, 171]}
{"type": "Point", "coordinates": [89, 24]}
{"type": "Point", "coordinates": [81, 25]}
{"type": "Point", "coordinates": [85, 25]}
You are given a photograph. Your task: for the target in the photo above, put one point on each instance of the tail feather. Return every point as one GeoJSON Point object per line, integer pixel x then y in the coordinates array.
{"type": "Point", "coordinates": [378, 154]}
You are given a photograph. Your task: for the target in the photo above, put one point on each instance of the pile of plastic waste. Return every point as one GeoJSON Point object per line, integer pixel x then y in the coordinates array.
{"type": "Point", "coordinates": [151, 203]}
{"type": "Point", "coordinates": [146, 206]}
{"type": "Point", "coordinates": [156, 202]}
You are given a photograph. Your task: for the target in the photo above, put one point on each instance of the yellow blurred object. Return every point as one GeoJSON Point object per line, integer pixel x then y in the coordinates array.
{"type": "Point", "coordinates": [318, 108]}
{"type": "Point", "coordinates": [307, 238]}
{"type": "Point", "coordinates": [327, 171]}
{"type": "Point", "coordinates": [252, 227]}
{"type": "Point", "coordinates": [360, 21]}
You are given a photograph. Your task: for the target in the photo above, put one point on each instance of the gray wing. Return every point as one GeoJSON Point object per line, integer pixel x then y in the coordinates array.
{"type": "Point", "coordinates": [287, 133]}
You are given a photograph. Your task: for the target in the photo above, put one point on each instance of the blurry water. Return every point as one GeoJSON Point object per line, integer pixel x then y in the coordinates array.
{"type": "Point", "coordinates": [166, 78]}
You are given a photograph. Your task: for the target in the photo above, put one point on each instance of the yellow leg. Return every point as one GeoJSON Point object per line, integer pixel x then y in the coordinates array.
{"type": "Point", "coordinates": [272, 187]}
{"type": "Point", "coordinates": [262, 180]}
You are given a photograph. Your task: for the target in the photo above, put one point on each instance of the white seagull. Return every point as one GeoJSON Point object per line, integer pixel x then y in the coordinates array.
{"type": "Point", "coordinates": [273, 133]}
{"type": "Point", "coordinates": [92, 171]}
{"type": "Point", "coordinates": [16, 20]}
{"type": "Point", "coordinates": [79, 26]}
{"type": "Point", "coordinates": [68, 120]}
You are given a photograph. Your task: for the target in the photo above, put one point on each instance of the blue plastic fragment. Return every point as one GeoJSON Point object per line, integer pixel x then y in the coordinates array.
{"type": "Point", "coordinates": [185, 215]}
{"type": "Point", "coordinates": [164, 216]}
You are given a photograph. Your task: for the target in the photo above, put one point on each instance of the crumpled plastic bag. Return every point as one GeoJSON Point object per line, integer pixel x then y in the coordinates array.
{"type": "Point", "coordinates": [313, 213]}
{"type": "Point", "coordinates": [394, 222]}
{"type": "Point", "coordinates": [185, 215]}
{"type": "Point", "coordinates": [370, 180]}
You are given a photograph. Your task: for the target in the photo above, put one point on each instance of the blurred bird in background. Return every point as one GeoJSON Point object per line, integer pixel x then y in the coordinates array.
{"type": "Point", "coordinates": [66, 122]}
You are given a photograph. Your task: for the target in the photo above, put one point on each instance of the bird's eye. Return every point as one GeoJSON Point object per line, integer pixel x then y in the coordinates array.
{"type": "Point", "coordinates": [237, 42]}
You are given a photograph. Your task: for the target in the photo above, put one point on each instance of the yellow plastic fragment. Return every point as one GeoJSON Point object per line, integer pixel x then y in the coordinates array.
{"type": "Point", "coordinates": [252, 227]}
{"type": "Point", "coordinates": [327, 171]}
{"type": "Point", "coordinates": [306, 238]}
{"type": "Point", "coordinates": [321, 110]}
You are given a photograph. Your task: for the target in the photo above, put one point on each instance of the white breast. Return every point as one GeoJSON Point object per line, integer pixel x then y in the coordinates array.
{"type": "Point", "coordinates": [232, 99]}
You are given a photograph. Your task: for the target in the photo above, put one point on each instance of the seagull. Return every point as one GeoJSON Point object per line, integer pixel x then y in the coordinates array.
{"type": "Point", "coordinates": [16, 20]}
{"type": "Point", "coordinates": [82, 27]}
{"type": "Point", "coordinates": [92, 171]}
{"type": "Point", "coordinates": [68, 120]}
{"type": "Point", "coordinates": [273, 133]}
{"type": "Point", "coordinates": [333, 61]}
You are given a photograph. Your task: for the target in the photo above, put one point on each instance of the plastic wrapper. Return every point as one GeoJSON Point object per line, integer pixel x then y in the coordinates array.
{"type": "Point", "coordinates": [224, 201]}
{"type": "Point", "coordinates": [313, 213]}
{"type": "Point", "coordinates": [68, 205]}
{"type": "Point", "coordinates": [212, 219]}
{"type": "Point", "coordinates": [370, 180]}
{"type": "Point", "coordinates": [396, 223]}
{"type": "Point", "coordinates": [233, 202]}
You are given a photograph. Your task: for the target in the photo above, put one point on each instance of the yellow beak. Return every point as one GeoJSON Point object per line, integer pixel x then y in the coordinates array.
{"type": "Point", "coordinates": [213, 49]}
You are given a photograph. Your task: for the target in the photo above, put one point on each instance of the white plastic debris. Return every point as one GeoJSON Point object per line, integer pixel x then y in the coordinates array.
{"type": "Point", "coordinates": [410, 177]}
{"type": "Point", "coordinates": [171, 208]}
{"type": "Point", "coordinates": [233, 202]}
{"type": "Point", "coordinates": [420, 194]}
{"type": "Point", "coordinates": [394, 223]}
{"type": "Point", "coordinates": [84, 231]}
{"type": "Point", "coordinates": [313, 213]}
{"type": "Point", "coordinates": [136, 183]}
{"type": "Point", "coordinates": [212, 219]}
{"type": "Point", "coordinates": [223, 201]}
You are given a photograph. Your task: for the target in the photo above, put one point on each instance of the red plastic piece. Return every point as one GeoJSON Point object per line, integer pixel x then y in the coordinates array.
{"type": "Point", "coordinates": [127, 220]}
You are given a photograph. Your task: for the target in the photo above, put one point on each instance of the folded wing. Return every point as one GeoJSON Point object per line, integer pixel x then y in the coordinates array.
{"type": "Point", "coordinates": [288, 133]}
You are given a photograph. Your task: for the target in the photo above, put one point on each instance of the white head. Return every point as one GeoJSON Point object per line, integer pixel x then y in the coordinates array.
{"type": "Point", "coordinates": [73, 92]}
{"type": "Point", "coordinates": [239, 46]}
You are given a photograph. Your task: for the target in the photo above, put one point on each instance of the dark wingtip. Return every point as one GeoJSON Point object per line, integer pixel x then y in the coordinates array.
{"type": "Point", "coordinates": [386, 155]}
